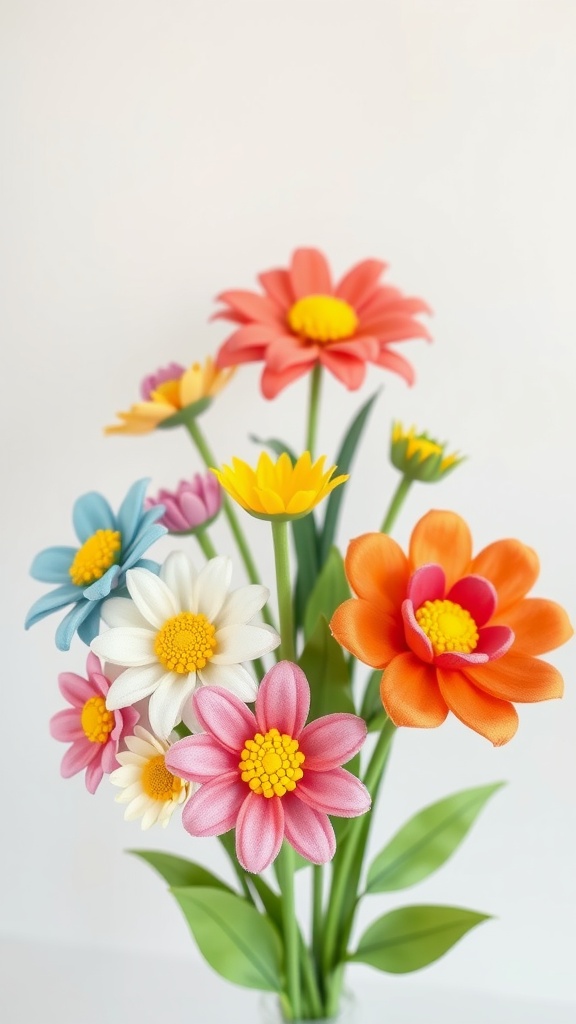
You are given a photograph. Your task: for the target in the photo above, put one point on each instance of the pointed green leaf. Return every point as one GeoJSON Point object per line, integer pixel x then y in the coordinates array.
{"type": "Point", "coordinates": [425, 842]}
{"type": "Point", "coordinates": [330, 590]}
{"type": "Point", "coordinates": [177, 871]}
{"type": "Point", "coordinates": [344, 461]}
{"type": "Point", "coordinates": [326, 669]}
{"type": "Point", "coordinates": [409, 938]}
{"type": "Point", "coordinates": [236, 940]}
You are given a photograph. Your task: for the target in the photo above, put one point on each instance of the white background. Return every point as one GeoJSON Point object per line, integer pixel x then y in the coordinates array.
{"type": "Point", "coordinates": [156, 153]}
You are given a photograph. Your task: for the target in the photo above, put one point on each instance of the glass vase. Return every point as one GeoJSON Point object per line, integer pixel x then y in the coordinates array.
{"type": "Point", "coordinates": [271, 1012]}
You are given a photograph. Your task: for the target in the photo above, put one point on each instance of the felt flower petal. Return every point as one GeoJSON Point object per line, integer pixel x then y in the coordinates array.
{"type": "Point", "coordinates": [237, 643]}
{"type": "Point", "coordinates": [235, 678]}
{"type": "Point", "coordinates": [283, 700]}
{"type": "Point", "coordinates": [65, 726]}
{"type": "Point", "coordinates": [310, 273]}
{"type": "Point", "coordinates": [410, 693]}
{"type": "Point", "coordinates": [134, 684]}
{"type": "Point", "coordinates": [309, 831]}
{"type": "Point", "coordinates": [224, 716]}
{"type": "Point", "coordinates": [495, 719]}
{"type": "Point", "coordinates": [334, 792]}
{"type": "Point", "coordinates": [212, 587]}
{"type": "Point", "coordinates": [539, 625]}
{"type": "Point", "coordinates": [242, 605]}
{"type": "Point", "coordinates": [512, 567]}
{"type": "Point", "coordinates": [179, 575]}
{"type": "Point", "coordinates": [360, 282]}
{"type": "Point", "coordinates": [259, 832]}
{"type": "Point", "coordinates": [126, 645]}
{"type": "Point", "coordinates": [368, 632]}
{"type": "Point", "coordinates": [53, 565]}
{"type": "Point", "coordinates": [442, 538]}
{"type": "Point", "coordinates": [77, 757]}
{"type": "Point", "coordinates": [332, 740]}
{"type": "Point", "coordinates": [477, 595]}
{"type": "Point", "coordinates": [92, 512]}
{"type": "Point", "coordinates": [153, 599]}
{"type": "Point", "coordinates": [377, 570]}
{"type": "Point", "coordinates": [200, 758]}
{"type": "Point", "coordinates": [517, 677]}
{"type": "Point", "coordinates": [167, 700]}
{"type": "Point", "coordinates": [213, 809]}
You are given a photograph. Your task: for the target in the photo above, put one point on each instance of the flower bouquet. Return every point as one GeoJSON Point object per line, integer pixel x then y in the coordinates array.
{"type": "Point", "coordinates": [269, 724]}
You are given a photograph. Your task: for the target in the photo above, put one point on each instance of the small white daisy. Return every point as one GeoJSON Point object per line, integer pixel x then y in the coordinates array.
{"type": "Point", "coordinates": [150, 790]}
{"type": "Point", "coordinates": [180, 630]}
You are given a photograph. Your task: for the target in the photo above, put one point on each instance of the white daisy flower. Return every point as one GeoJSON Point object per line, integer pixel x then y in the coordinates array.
{"type": "Point", "coordinates": [150, 790]}
{"type": "Point", "coordinates": [180, 630]}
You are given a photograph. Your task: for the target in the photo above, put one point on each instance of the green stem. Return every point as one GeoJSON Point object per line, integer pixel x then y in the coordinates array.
{"type": "Point", "coordinates": [396, 504]}
{"type": "Point", "coordinates": [313, 408]}
{"type": "Point", "coordinates": [317, 911]}
{"type": "Point", "coordinates": [210, 461]}
{"type": "Point", "coordinates": [227, 841]}
{"type": "Point", "coordinates": [284, 589]}
{"type": "Point", "coordinates": [206, 544]}
{"type": "Point", "coordinates": [290, 925]}
{"type": "Point", "coordinates": [346, 871]}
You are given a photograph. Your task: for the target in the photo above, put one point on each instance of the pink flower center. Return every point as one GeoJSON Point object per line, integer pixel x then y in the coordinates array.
{"type": "Point", "coordinates": [322, 318]}
{"type": "Point", "coordinates": [448, 626]}
{"type": "Point", "coordinates": [96, 721]}
{"type": "Point", "coordinates": [271, 764]}
{"type": "Point", "coordinates": [95, 557]}
{"type": "Point", "coordinates": [185, 642]}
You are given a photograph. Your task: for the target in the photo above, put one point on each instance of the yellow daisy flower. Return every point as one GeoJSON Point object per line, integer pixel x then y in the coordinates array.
{"type": "Point", "coordinates": [420, 457]}
{"type": "Point", "coordinates": [279, 490]}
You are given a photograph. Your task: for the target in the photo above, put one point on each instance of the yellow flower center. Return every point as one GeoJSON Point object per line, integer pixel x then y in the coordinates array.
{"type": "Point", "coordinates": [96, 721]}
{"type": "Point", "coordinates": [448, 626]}
{"type": "Point", "coordinates": [322, 318]}
{"type": "Point", "coordinates": [185, 642]}
{"type": "Point", "coordinates": [96, 555]}
{"type": "Point", "coordinates": [167, 392]}
{"type": "Point", "coordinates": [271, 764]}
{"type": "Point", "coordinates": [158, 783]}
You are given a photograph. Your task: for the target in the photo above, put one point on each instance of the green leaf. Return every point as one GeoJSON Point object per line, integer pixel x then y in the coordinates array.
{"type": "Point", "coordinates": [326, 669]}
{"type": "Point", "coordinates": [330, 590]}
{"type": "Point", "coordinates": [425, 842]}
{"type": "Point", "coordinates": [236, 940]}
{"type": "Point", "coordinates": [409, 938]}
{"type": "Point", "coordinates": [177, 871]}
{"type": "Point", "coordinates": [344, 461]}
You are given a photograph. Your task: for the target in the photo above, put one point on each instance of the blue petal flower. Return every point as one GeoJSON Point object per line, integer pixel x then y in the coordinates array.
{"type": "Point", "coordinates": [138, 530]}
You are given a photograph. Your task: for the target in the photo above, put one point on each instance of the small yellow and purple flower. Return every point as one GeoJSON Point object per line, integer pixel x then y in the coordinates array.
{"type": "Point", "coordinates": [171, 396]}
{"type": "Point", "coordinates": [94, 732]}
{"type": "Point", "coordinates": [192, 506]}
{"type": "Point", "coordinates": [420, 457]}
{"type": "Point", "coordinates": [268, 774]}
{"type": "Point", "coordinates": [110, 544]}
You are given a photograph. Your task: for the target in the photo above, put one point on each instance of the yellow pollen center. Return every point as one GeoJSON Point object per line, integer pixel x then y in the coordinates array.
{"type": "Point", "coordinates": [271, 764]}
{"type": "Point", "coordinates": [167, 392]}
{"type": "Point", "coordinates": [448, 626]}
{"type": "Point", "coordinates": [96, 721]}
{"type": "Point", "coordinates": [158, 783]}
{"type": "Point", "coordinates": [185, 643]}
{"type": "Point", "coordinates": [96, 555]}
{"type": "Point", "coordinates": [322, 318]}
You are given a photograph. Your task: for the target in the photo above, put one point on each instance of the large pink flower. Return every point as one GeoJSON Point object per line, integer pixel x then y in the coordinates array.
{"type": "Point", "coordinates": [304, 319]}
{"type": "Point", "coordinates": [94, 732]}
{"type": "Point", "coordinates": [268, 774]}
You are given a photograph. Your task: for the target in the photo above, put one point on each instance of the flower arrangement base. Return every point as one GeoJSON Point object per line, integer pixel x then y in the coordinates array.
{"type": "Point", "coordinates": [271, 1013]}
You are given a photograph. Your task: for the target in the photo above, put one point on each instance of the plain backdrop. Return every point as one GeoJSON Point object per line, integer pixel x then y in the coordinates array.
{"type": "Point", "coordinates": [156, 152]}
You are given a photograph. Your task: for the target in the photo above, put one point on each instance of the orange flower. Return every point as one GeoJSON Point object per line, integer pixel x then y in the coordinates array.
{"type": "Point", "coordinates": [304, 319]}
{"type": "Point", "coordinates": [452, 631]}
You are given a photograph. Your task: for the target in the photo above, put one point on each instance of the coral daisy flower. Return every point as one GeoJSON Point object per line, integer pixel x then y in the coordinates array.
{"type": "Point", "coordinates": [169, 394]}
{"type": "Point", "coordinates": [109, 545]}
{"type": "Point", "coordinates": [279, 490]}
{"type": "Point", "coordinates": [304, 320]}
{"type": "Point", "coordinates": [267, 774]}
{"type": "Point", "coordinates": [453, 632]}
{"type": "Point", "coordinates": [151, 791]}
{"type": "Point", "coordinates": [192, 506]}
{"type": "Point", "coordinates": [94, 732]}
{"type": "Point", "coordinates": [180, 630]}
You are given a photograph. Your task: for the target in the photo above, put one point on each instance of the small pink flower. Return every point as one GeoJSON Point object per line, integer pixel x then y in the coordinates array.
{"type": "Point", "coordinates": [268, 775]}
{"type": "Point", "coordinates": [94, 732]}
{"type": "Point", "coordinates": [193, 505]}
